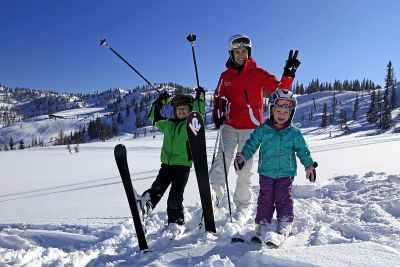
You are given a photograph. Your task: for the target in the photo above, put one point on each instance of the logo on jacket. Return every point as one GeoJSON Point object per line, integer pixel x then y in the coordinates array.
{"type": "Point", "coordinates": [195, 126]}
{"type": "Point", "coordinates": [227, 84]}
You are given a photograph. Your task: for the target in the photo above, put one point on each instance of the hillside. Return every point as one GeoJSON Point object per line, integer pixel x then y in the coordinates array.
{"type": "Point", "coordinates": [122, 110]}
{"type": "Point", "coordinates": [126, 111]}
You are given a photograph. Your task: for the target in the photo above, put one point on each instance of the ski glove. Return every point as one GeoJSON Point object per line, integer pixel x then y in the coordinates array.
{"type": "Point", "coordinates": [200, 94]}
{"type": "Point", "coordinates": [311, 173]}
{"type": "Point", "coordinates": [219, 121]}
{"type": "Point", "coordinates": [240, 160]}
{"type": "Point", "coordinates": [292, 63]}
{"type": "Point", "coordinates": [163, 99]}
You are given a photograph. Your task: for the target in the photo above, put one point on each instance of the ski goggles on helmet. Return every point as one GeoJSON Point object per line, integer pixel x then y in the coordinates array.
{"type": "Point", "coordinates": [241, 42]}
{"type": "Point", "coordinates": [285, 103]}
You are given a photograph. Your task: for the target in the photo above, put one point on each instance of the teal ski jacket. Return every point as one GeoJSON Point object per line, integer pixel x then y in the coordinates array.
{"type": "Point", "coordinates": [278, 150]}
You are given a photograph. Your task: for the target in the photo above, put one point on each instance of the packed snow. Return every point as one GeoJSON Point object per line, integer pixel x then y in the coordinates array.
{"type": "Point", "coordinates": [59, 208]}
{"type": "Point", "coordinates": [62, 209]}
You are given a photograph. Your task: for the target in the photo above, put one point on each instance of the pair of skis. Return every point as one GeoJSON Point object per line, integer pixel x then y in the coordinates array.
{"type": "Point", "coordinates": [197, 142]}
{"type": "Point", "coordinates": [273, 241]}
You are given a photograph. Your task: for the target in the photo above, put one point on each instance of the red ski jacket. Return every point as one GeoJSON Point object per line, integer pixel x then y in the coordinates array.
{"type": "Point", "coordinates": [233, 86]}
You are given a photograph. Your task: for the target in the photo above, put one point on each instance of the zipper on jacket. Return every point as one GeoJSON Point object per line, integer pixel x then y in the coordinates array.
{"type": "Point", "coordinates": [172, 142]}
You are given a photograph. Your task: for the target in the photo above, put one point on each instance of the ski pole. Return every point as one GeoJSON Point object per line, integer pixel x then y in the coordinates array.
{"type": "Point", "coordinates": [191, 38]}
{"type": "Point", "coordinates": [226, 176]}
{"type": "Point", "coordinates": [216, 101]}
{"type": "Point", "coordinates": [103, 42]}
{"type": "Point", "coordinates": [215, 147]}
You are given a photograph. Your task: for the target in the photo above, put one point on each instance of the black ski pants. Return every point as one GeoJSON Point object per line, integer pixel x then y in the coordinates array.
{"type": "Point", "coordinates": [177, 175]}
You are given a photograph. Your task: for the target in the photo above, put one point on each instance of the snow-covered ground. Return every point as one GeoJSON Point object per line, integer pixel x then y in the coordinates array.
{"type": "Point", "coordinates": [62, 209]}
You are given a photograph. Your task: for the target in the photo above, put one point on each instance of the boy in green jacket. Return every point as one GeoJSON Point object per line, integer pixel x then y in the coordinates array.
{"type": "Point", "coordinates": [279, 143]}
{"type": "Point", "coordinates": [176, 159]}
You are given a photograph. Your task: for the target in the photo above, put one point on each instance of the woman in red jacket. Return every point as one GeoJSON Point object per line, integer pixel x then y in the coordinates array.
{"type": "Point", "coordinates": [238, 110]}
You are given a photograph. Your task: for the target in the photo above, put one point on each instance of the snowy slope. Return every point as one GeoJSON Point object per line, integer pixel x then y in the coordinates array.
{"type": "Point", "coordinates": [70, 209]}
{"type": "Point", "coordinates": [47, 130]}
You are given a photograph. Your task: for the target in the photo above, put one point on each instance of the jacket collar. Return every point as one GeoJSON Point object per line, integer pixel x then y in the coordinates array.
{"type": "Point", "coordinates": [271, 124]}
{"type": "Point", "coordinates": [248, 65]}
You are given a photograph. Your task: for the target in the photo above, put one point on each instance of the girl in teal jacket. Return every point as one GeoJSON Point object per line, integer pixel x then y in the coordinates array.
{"type": "Point", "coordinates": [279, 143]}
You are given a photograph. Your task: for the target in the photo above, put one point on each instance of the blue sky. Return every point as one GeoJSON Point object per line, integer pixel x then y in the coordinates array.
{"type": "Point", "coordinates": [53, 45]}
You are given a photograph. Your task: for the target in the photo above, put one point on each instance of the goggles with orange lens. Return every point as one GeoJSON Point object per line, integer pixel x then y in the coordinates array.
{"type": "Point", "coordinates": [285, 103]}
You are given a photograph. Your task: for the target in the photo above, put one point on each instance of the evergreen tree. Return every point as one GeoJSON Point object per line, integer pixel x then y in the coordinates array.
{"type": "Point", "coordinates": [356, 86]}
{"type": "Point", "coordinates": [11, 143]}
{"type": "Point", "coordinates": [61, 137]}
{"type": "Point", "coordinates": [21, 144]}
{"type": "Point", "coordinates": [84, 134]}
{"type": "Point", "coordinates": [127, 110]}
{"type": "Point", "coordinates": [334, 105]}
{"type": "Point", "coordinates": [325, 117]}
{"type": "Point", "coordinates": [119, 118]}
{"type": "Point", "coordinates": [389, 80]}
{"type": "Point", "coordinates": [393, 99]}
{"type": "Point", "coordinates": [337, 85]}
{"type": "Point", "coordinates": [356, 108]}
{"type": "Point", "coordinates": [379, 108]}
{"type": "Point", "coordinates": [372, 114]}
{"type": "Point", "coordinates": [343, 119]}
{"type": "Point", "coordinates": [69, 147]}
{"type": "Point", "coordinates": [386, 121]}
{"type": "Point", "coordinates": [314, 106]}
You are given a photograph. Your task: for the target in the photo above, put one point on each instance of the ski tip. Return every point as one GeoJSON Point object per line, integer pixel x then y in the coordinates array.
{"type": "Point", "coordinates": [119, 146]}
{"type": "Point", "coordinates": [237, 240]}
{"type": "Point", "coordinates": [145, 251]}
{"type": "Point", "coordinates": [256, 240]}
{"type": "Point", "coordinates": [119, 149]}
{"type": "Point", "coordinates": [272, 245]}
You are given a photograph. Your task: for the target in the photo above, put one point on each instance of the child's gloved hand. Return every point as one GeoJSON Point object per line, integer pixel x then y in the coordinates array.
{"type": "Point", "coordinates": [200, 93]}
{"type": "Point", "coordinates": [240, 160]}
{"type": "Point", "coordinates": [163, 99]}
{"type": "Point", "coordinates": [311, 173]}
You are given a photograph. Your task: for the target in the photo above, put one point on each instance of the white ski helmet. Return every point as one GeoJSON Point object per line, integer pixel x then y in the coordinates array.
{"type": "Point", "coordinates": [282, 98]}
{"type": "Point", "coordinates": [237, 41]}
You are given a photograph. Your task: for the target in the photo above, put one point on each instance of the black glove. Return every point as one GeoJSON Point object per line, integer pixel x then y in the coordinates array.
{"type": "Point", "coordinates": [312, 177]}
{"type": "Point", "coordinates": [239, 162]}
{"type": "Point", "coordinates": [200, 93]}
{"type": "Point", "coordinates": [219, 121]}
{"type": "Point", "coordinates": [292, 63]}
{"type": "Point", "coordinates": [163, 99]}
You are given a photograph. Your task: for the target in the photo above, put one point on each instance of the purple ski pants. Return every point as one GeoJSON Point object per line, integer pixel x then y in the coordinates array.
{"type": "Point", "coordinates": [275, 194]}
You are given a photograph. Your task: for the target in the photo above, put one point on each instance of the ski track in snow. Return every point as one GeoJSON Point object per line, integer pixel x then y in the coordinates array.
{"type": "Point", "coordinates": [349, 210]}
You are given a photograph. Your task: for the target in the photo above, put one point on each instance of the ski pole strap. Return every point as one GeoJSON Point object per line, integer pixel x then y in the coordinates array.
{"type": "Point", "coordinates": [251, 114]}
{"type": "Point", "coordinates": [247, 98]}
